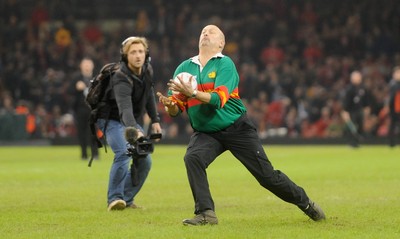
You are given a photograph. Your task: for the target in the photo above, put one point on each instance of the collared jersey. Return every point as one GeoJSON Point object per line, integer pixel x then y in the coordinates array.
{"type": "Point", "coordinates": [220, 78]}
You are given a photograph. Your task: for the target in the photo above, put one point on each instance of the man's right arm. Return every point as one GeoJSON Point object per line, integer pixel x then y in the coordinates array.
{"type": "Point", "coordinates": [172, 110]}
{"type": "Point", "coordinates": [123, 91]}
{"type": "Point", "coordinates": [169, 104]}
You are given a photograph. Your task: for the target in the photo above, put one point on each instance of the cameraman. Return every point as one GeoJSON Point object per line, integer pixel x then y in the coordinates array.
{"type": "Point", "coordinates": [132, 96]}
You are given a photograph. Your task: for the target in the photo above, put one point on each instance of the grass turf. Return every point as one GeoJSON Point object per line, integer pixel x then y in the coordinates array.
{"type": "Point", "coordinates": [48, 192]}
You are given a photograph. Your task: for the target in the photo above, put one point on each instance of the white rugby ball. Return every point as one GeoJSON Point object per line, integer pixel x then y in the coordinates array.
{"type": "Point", "coordinates": [186, 78]}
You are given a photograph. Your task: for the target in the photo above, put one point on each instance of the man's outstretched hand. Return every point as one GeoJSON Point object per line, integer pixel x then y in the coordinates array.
{"type": "Point", "coordinates": [169, 104]}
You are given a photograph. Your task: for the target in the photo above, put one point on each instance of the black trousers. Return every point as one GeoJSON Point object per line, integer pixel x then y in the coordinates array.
{"type": "Point", "coordinates": [242, 141]}
{"type": "Point", "coordinates": [394, 122]}
{"type": "Point", "coordinates": [85, 137]}
{"type": "Point", "coordinates": [353, 138]}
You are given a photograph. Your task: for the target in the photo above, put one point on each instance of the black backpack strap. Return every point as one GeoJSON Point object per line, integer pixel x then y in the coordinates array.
{"type": "Point", "coordinates": [93, 117]}
{"type": "Point", "coordinates": [93, 130]}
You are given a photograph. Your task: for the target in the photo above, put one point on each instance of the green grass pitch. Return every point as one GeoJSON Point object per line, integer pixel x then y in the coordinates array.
{"type": "Point", "coordinates": [48, 192]}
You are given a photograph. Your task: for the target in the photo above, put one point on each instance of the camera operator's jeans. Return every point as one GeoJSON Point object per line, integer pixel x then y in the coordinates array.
{"type": "Point", "coordinates": [120, 183]}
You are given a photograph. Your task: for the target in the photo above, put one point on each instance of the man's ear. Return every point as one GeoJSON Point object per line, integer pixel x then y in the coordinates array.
{"type": "Point", "coordinates": [221, 44]}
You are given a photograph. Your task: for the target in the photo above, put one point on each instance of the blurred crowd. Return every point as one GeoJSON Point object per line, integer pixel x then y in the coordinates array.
{"type": "Point", "coordinates": [294, 57]}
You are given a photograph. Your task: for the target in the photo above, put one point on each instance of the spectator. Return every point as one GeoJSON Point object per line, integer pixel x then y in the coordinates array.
{"type": "Point", "coordinates": [394, 105]}
{"type": "Point", "coordinates": [272, 54]}
{"type": "Point", "coordinates": [78, 89]}
{"type": "Point", "coordinates": [92, 33]}
{"type": "Point", "coordinates": [355, 108]}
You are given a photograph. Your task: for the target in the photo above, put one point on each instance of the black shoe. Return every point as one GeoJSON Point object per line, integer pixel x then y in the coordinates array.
{"type": "Point", "coordinates": [314, 211]}
{"type": "Point", "coordinates": [204, 218]}
{"type": "Point", "coordinates": [354, 146]}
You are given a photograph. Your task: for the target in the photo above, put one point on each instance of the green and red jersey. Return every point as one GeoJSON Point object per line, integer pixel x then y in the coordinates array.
{"type": "Point", "coordinates": [220, 78]}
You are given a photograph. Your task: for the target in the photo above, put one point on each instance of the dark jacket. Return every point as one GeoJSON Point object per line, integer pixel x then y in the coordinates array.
{"type": "Point", "coordinates": [131, 97]}
{"type": "Point", "coordinates": [356, 98]}
{"type": "Point", "coordinates": [78, 103]}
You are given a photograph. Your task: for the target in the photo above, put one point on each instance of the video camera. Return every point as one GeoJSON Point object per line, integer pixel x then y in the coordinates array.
{"type": "Point", "coordinates": [138, 149]}
{"type": "Point", "coordinates": [142, 146]}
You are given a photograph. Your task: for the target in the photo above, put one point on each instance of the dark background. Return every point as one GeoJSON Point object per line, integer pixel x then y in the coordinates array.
{"type": "Point", "coordinates": [294, 59]}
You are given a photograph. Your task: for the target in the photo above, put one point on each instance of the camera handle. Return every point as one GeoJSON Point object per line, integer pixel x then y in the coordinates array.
{"type": "Point", "coordinates": [142, 147]}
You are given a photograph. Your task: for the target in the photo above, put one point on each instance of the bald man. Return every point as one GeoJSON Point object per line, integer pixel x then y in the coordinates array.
{"type": "Point", "coordinates": [78, 89]}
{"type": "Point", "coordinates": [355, 106]}
{"type": "Point", "coordinates": [218, 118]}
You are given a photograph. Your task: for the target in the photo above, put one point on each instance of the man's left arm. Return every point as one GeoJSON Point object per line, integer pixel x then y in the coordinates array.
{"type": "Point", "coordinates": [226, 82]}
{"type": "Point", "coordinates": [151, 108]}
{"type": "Point", "coordinates": [151, 105]}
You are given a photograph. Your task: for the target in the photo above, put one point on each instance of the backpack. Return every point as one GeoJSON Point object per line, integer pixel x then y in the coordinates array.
{"type": "Point", "coordinates": [97, 96]}
{"type": "Point", "coordinates": [98, 88]}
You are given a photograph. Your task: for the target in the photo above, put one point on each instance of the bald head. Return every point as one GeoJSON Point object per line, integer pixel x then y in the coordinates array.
{"type": "Point", "coordinates": [87, 67]}
{"type": "Point", "coordinates": [356, 78]}
{"type": "Point", "coordinates": [212, 39]}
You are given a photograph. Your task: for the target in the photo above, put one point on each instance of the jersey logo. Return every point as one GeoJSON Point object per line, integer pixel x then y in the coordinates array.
{"type": "Point", "coordinates": [212, 75]}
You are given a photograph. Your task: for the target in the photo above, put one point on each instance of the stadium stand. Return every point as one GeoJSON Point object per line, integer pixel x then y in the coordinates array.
{"type": "Point", "coordinates": [294, 57]}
